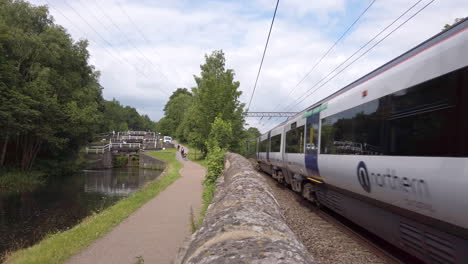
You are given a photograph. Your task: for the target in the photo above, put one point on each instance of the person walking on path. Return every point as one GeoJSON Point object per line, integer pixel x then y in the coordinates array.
{"type": "Point", "coordinates": [182, 152]}
{"type": "Point", "coordinates": [155, 232]}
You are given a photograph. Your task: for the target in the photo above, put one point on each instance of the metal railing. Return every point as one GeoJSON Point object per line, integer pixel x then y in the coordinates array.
{"type": "Point", "coordinates": [98, 149]}
{"type": "Point", "coordinates": [126, 145]}
{"type": "Point", "coordinates": [110, 146]}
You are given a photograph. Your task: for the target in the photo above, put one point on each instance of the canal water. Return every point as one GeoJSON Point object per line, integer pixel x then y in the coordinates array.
{"type": "Point", "coordinates": [25, 218]}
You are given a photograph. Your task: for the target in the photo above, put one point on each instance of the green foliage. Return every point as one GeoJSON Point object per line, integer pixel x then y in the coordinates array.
{"type": "Point", "coordinates": [215, 162]}
{"type": "Point", "coordinates": [49, 94]}
{"type": "Point", "coordinates": [12, 181]}
{"type": "Point", "coordinates": [220, 134]}
{"type": "Point", "coordinates": [50, 100]}
{"type": "Point", "coordinates": [248, 145]}
{"type": "Point", "coordinates": [59, 247]}
{"type": "Point", "coordinates": [120, 161]}
{"type": "Point", "coordinates": [447, 26]}
{"type": "Point", "coordinates": [179, 103]}
{"type": "Point", "coordinates": [209, 191]}
{"type": "Point", "coordinates": [216, 94]}
{"type": "Point", "coordinates": [117, 117]}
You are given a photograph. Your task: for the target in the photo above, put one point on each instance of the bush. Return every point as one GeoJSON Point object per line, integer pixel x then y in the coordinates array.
{"type": "Point", "coordinates": [120, 161]}
{"type": "Point", "coordinates": [14, 181]}
{"type": "Point", "coordinates": [215, 162]}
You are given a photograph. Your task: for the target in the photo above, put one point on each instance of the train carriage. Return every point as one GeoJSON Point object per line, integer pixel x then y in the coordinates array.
{"type": "Point", "coordinates": [390, 150]}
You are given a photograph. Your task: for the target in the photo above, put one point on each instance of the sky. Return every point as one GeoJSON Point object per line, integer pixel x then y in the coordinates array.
{"type": "Point", "coordinates": [146, 49]}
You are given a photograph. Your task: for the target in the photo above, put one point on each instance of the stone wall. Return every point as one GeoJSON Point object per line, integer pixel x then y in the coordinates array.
{"type": "Point", "coordinates": [243, 224]}
{"type": "Point", "coordinates": [150, 162]}
{"type": "Point", "coordinates": [98, 161]}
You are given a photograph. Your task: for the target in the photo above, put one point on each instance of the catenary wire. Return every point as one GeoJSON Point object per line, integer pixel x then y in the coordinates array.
{"type": "Point", "coordinates": [331, 47]}
{"type": "Point", "coordinates": [263, 56]}
{"type": "Point", "coordinates": [116, 26]}
{"type": "Point", "coordinates": [85, 34]}
{"type": "Point", "coordinates": [327, 52]}
{"type": "Point", "coordinates": [360, 56]}
{"type": "Point", "coordinates": [108, 43]}
{"type": "Point", "coordinates": [357, 51]}
{"type": "Point", "coordinates": [143, 36]}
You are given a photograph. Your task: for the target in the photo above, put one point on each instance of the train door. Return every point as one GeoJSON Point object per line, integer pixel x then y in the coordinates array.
{"type": "Point", "coordinates": [311, 149]}
{"type": "Point", "coordinates": [257, 143]}
{"type": "Point", "coordinates": [268, 147]}
{"type": "Point", "coordinates": [294, 147]}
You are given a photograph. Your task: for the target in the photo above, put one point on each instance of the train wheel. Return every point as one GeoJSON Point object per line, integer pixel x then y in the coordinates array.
{"type": "Point", "coordinates": [280, 177]}
{"type": "Point", "coordinates": [308, 192]}
{"type": "Point", "coordinates": [317, 203]}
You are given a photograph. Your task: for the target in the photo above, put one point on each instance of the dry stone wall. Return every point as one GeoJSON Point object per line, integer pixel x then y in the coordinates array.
{"type": "Point", "coordinates": [243, 224]}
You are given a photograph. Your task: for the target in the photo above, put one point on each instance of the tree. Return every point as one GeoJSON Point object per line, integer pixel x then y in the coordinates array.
{"type": "Point", "coordinates": [179, 102]}
{"type": "Point", "coordinates": [216, 94]}
{"type": "Point", "coordinates": [447, 26]}
{"type": "Point", "coordinates": [220, 134]}
{"type": "Point", "coordinates": [49, 94]}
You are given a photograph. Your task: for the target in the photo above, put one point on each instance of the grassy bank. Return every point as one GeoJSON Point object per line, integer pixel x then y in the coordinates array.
{"type": "Point", "coordinates": [12, 181]}
{"type": "Point", "coordinates": [58, 247]}
{"type": "Point", "coordinates": [196, 155]}
{"type": "Point", "coordinates": [214, 164]}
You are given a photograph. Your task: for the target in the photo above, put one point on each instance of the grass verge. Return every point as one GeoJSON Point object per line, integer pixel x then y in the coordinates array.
{"type": "Point", "coordinates": [214, 164]}
{"type": "Point", "coordinates": [196, 155]}
{"type": "Point", "coordinates": [57, 248]}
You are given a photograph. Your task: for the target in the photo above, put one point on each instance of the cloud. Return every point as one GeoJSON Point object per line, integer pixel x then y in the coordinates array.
{"type": "Point", "coordinates": [142, 70]}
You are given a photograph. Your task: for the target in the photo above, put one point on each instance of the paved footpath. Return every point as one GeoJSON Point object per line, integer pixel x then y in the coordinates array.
{"type": "Point", "coordinates": [156, 230]}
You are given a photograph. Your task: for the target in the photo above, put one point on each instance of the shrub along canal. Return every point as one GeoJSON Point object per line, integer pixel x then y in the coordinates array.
{"type": "Point", "coordinates": [25, 218]}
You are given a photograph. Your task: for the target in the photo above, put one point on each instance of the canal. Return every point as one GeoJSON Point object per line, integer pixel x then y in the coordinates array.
{"type": "Point", "coordinates": [25, 218]}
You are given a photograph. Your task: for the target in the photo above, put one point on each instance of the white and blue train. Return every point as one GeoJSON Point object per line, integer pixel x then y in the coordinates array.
{"type": "Point", "coordinates": [390, 150]}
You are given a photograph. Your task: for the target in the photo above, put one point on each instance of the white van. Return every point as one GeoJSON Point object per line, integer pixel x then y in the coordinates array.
{"type": "Point", "coordinates": [167, 139]}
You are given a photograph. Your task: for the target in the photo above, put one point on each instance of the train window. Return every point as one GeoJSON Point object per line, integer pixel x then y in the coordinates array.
{"type": "Point", "coordinates": [311, 146]}
{"type": "Point", "coordinates": [295, 140]}
{"type": "Point", "coordinates": [423, 120]}
{"type": "Point", "coordinates": [356, 131]}
{"type": "Point", "coordinates": [275, 143]}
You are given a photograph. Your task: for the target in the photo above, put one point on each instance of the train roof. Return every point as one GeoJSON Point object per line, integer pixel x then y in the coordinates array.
{"type": "Point", "coordinates": [445, 34]}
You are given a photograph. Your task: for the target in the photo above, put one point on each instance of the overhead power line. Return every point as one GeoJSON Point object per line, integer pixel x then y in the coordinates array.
{"type": "Point", "coordinates": [263, 56]}
{"type": "Point", "coordinates": [116, 26]}
{"type": "Point", "coordinates": [143, 36]}
{"type": "Point", "coordinates": [327, 52]}
{"type": "Point", "coordinates": [305, 95]}
{"type": "Point", "coordinates": [108, 43]}
{"type": "Point", "coordinates": [331, 47]}
{"type": "Point", "coordinates": [270, 114]}
{"type": "Point", "coordinates": [84, 33]}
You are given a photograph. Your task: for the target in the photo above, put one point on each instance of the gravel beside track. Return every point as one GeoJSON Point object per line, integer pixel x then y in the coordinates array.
{"type": "Point", "coordinates": [322, 239]}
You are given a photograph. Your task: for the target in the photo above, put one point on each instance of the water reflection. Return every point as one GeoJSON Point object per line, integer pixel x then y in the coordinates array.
{"type": "Point", "coordinates": [116, 182]}
{"type": "Point", "coordinates": [25, 218]}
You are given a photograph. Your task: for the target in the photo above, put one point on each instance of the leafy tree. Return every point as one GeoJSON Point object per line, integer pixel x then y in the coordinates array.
{"type": "Point", "coordinates": [117, 117]}
{"type": "Point", "coordinates": [447, 26]}
{"type": "Point", "coordinates": [174, 111]}
{"type": "Point", "coordinates": [220, 134]}
{"type": "Point", "coordinates": [50, 100]}
{"type": "Point", "coordinates": [252, 133]}
{"type": "Point", "coordinates": [50, 95]}
{"type": "Point", "coordinates": [216, 94]}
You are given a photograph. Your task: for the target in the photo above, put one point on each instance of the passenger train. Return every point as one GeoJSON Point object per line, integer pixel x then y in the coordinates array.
{"type": "Point", "coordinates": [390, 150]}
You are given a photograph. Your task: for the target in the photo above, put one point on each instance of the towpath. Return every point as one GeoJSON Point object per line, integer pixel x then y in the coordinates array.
{"type": "Point", "coordinates": [154, 232]}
